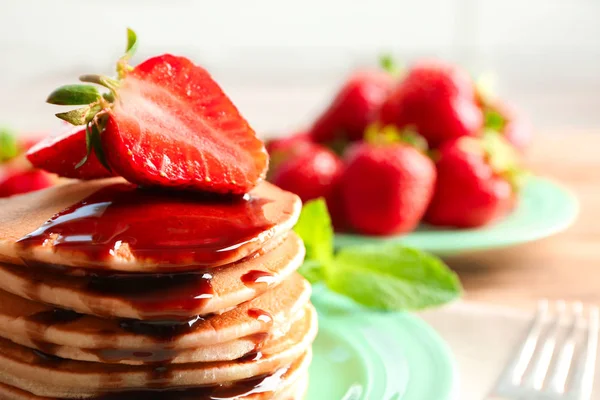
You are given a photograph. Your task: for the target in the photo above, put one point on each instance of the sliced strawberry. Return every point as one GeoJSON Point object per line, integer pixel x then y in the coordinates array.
{"type": "Point", "coordinates": [60, 154]}
{"type": "Point", "coordinates": [166, 123]}
{"type": "Point", "coordinates": [173, 126]}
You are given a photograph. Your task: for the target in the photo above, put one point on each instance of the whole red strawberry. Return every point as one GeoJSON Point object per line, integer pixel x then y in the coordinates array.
{"type": "Point", "coordinates": [438, 100]}
{"type": "Point", "coordinates": [62, 153]}
{"type": "Point", "coordinates": [166, 123]}
{"type": "Point", "coordinates": [18, 180]}
{"type": "Point", "coordinates": [387, 186]}
{"type": "Point", "coordinates": [312, 173]}
{"type": "Point", "coordinates": [477, 182]}
{"type": "Point", "coordinates": [281, 149]}
{"type": "Point", "coordinates": [355, 106]}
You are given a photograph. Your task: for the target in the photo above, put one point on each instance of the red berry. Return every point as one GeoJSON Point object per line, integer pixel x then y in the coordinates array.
{"type": "Point", "coordinates": [281, 149]}
{"type": "Point", "coordinates": [18, 181]}
{"type": "Point", "coordinates": [60, 155]}
{"type": "Point", "coordinates": [438, 99]}
{"type": "Point", "coordinates": [355, 106]}
{"type": "Point", "coordinates": [311, 174]}
{"type": "Point", "coordinates": [386, 188]}
{"type": "Point", "coordinates": [469, 191]}
{"type": "Point", "coordinates": [173, 126]}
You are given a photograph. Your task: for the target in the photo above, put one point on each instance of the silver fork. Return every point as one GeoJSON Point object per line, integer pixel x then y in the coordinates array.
{"type": "Point", "coordinates": [556, 361]}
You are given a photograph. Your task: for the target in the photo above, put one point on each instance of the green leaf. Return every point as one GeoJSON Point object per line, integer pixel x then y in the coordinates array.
{"type": "Point", "coordinates": [315, 229]}
{"type": "Point", "coordinates": [392, 277]}
{"type": "Point", "coordinates": [9, 146]}
{"type": "Point", "coordinates": [78, 116]}
{"type": "Point", "coordinates": [132, 43]}
{"type": "Point", "coordinates": [74, 95]}
{"type": "Point", "coordinates": [312, 270]}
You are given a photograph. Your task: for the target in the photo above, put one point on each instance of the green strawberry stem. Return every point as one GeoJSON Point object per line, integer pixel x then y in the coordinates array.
{"type": "Point", "coordinates": [387, 135]}
{"type": "Point", "coordinates": [389, 64]}
{"type": "Point", "coordinates": [97, 105]}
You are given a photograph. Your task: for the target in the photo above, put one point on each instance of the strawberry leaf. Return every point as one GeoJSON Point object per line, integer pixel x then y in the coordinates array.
{"type": "Point", "coordinates": [74, 95]}
{"type": "Point", "coordinates": [494, 120]}
{"type": "Point", "coordinates": [9, 146]}
{"type": "Point", "coordinates": [132, 43]}
{"type": "Point", "coordinates": [75, 117]}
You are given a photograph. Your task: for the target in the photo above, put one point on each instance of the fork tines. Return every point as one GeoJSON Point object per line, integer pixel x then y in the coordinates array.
{"type": "Point", "coordinates": [558, 356]}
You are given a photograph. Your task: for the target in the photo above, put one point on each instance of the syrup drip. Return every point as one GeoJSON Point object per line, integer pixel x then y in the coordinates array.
{"type": "Point", "coordinates": [236, 390]}
{"type": "Point", "coordinates": [167, 228]}
{"type": "Point", "coordinates": [260, 315]}
{"type": "Point", "coordinates": [55, 316]}
{"type": "Point", "coordinates": [256, 277]}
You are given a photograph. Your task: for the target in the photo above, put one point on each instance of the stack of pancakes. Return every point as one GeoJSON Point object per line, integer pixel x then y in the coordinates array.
{"type": "Point", "coordinates": [108, 291]}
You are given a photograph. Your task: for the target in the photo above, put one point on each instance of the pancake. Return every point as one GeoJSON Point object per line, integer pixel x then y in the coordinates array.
{"type": "Point", "coordinates": [22, 368]}
{"type": "Point", "coordinates": [141, 230]}
{"type": "Point", "coordinates": [222, 337]}
{"type": "Point", "coordinates": [176, 297]}
{"type": "Point", "coordinates": [292, 386]}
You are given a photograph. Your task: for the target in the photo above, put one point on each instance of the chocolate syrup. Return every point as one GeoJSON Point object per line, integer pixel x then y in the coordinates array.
{"type": "Point", "coordinates": [47, 359]}
{"type": "Point", "coordinates": [256, 277]}
{"type": "Point", "coordinates": [55, 316]}
{"type": "Point", "coordinates": [164, 227]}
{"type": "Point", "coordinates": [160, 330]}
{"type": "Point", "coordinates": [157, 295]}
{"type": "Point", "coordinates": [236, 390]}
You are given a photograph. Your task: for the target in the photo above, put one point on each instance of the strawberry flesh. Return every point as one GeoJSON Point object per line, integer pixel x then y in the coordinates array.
{"type": "Point", "coordinates": [172, 126]}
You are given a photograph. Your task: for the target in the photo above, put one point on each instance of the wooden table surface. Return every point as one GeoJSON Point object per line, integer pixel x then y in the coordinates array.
{"type": "Point", "coordinates": [565, 266]}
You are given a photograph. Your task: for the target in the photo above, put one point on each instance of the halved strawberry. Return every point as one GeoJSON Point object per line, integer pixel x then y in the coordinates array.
{"type": "Point", "coordinates": [61, 154]}
{"type": "Point", "coordinates": [167, 123]}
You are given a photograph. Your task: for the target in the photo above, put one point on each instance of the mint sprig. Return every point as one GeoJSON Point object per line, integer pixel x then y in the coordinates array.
{"type": "Point", "coordinates": [386, 277]}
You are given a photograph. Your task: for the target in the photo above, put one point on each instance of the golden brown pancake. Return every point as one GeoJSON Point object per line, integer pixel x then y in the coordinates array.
{"type": "Point", "coordinates": [22, 215]}
{"type": "Point", "coordinates": [229, 287]}
{"type": "Point", "coordinates": [223, 337]}
{"type": "Point", "coordinates": [293, 386]}
{"type": "Point", "coordinates": [23, 368]}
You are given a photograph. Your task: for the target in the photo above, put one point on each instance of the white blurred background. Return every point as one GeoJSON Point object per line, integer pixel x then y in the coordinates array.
{"type": "Point", "coordinates": [280, 60]}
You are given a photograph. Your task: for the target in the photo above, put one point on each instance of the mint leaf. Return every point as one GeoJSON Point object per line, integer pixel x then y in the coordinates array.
{"type": "Point", "coordinates": [9, 146]}
{"type": "Point", "coordinates": [392, 277]}
{"type": "Point", "coordinates": [315, 229]}
{"type": "Point", "coordinates": [74, 95]}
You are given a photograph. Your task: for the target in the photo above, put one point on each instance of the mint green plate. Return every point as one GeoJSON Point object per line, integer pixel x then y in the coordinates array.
{"type": "Point", "coordinates": [545, 208]}
{"type": "Point", "coordinates": [365, 355]}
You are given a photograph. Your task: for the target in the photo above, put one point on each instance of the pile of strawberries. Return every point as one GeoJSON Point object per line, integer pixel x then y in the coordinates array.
{"type": "Point", "coordinates": [391, 152]}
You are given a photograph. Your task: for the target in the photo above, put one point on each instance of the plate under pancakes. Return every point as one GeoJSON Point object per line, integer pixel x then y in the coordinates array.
{"type": "Point", "coordinates": [107, 288]}
{"type": "Point", "coordinates": [226, 336]}
{"type": "Point", "coordinates": [272, 211]}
